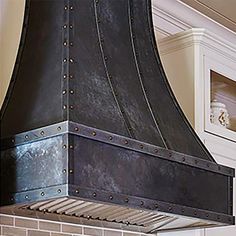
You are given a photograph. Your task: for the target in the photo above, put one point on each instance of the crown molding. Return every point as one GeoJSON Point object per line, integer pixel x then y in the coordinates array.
{"type": "Point", "coordinates": [174, 16]}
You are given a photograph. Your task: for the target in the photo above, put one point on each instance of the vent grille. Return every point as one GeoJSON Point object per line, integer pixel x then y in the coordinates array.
{"type": "Point", "coordinates": [145, 221]}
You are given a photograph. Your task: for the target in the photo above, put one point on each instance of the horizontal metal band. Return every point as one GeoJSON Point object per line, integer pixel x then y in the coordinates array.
{"type": "Point", "coordinates": [148, 204]}
{"type": "Point", "coordinates": [113, 139]}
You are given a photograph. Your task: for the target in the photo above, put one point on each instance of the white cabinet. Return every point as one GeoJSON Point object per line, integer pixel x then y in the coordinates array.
{"type": "Point", "coordinates": [201, 67]}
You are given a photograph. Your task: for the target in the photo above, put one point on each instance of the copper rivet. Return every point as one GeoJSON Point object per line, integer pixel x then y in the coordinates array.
{"type": "Point", "coordinates": [94, 133]}
{"type": "Point", "coordinates": [111, 197]}
{"type": "Point", "coordinates": [94, 194]}
{"type": "Point", "coordinates": [76, 129]}
{"type": "Point", "coordinates": [59, 190]}
{"type": "Point", "coordinates": [64, 171]}
{"type": "Point", "coordinates": [64, 92]}
{"type": "Point", "coordinates": [126, 142]}
{"type": "Point", "coordinates": [71, 91]}
{"type": "Point", "coordinates": [59, 128]}
{"type": "Point", "coordinates": [77, 190]}
{"type": "Point", "coordinates": [42, 193]}
{"type": "Point", "coordinates": [71, 171]}
{"type": "Point", "coordinates": [42, 132]}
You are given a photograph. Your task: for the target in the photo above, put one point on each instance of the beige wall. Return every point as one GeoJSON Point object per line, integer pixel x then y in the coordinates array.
{"type": "Point", "coordinates": [11, 19]}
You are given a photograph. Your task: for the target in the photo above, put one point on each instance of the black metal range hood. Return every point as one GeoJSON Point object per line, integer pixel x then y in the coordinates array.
{"type": "Point", "coordinates": [91, 129]}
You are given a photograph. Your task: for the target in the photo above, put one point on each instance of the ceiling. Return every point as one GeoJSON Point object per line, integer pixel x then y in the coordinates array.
{"type": "Point", "coordinates": [222, 11]}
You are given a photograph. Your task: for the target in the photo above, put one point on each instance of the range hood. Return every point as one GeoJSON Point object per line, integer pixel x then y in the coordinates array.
{"type": "Point", "coordinates": [90, 129]}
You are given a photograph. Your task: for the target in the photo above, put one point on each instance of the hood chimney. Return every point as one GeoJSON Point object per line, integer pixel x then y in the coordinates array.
{"type": "Point", "coordinates": [91, 129]}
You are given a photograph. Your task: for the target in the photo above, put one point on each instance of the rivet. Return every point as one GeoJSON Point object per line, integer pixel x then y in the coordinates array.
{"type": "Point", "coordinates": [94, 133]}
{"type": "Point", "coordinates": [71, 44]}
{"type": "Point", "coordinates": [42, 133]}
{"type": "Point", "coordinates": [156, 205]}
{"type": "Point", "coordinates": [64, 107]}
{"type": "Point", "coordinates": [64, 26]}
{"type": "Point", "coordinates": [26, 197]}
{"type": "Point", "coordinates": [64, 60]}
{"type": "Point", "coordinates": [59, 190]}
{"type": "Point", "coordinates": [64, 171]}
{"type": "Point", "coordinates": [71, 146]}
{"type": "Point", "coordinates": [42, 193]}
{"type": "Point", "coordinates": [183, 159]}
{"type": "Point", "coordinates": [126, 200]}
{"type": "Point", "coordinates": [71, 7]}
{"type": "Point", "coordinates": [64, 76]}
{"type": "Point", "coordinates": [64, 92]}
{"type": "Point", "coordinates": [64, 146]}
{"type": "Point", "coordinates": [71, 60]}
{"type": "Point", "coordinates": [65, 43]}
{"type": "Point", "coordinates": [71, 26]}
{"type": "Point", "coordinates": [99, 22]}
{"type": "Point", "coordinates": [126, 142]}
{"type": "Point", "coordinates": [97, 1]}
{"type": "Point", "coordinates": [71, 171]}
{"type": "Point", "coordinates": [77, 191]}
{"type": "Point", "coordinates": [182, 209]}
{"type": "Point", "coordinates": [71, 107]}
{"type": "Point", "coordinates": [13, 140]}
{"type": "Point", "coordinates": [111, 197]}
{"type": "Point", "coordinates": [59, 128]}
{"type": "Point", "coordinates": [76, 129]}
{"type": "Point", "coordinates": [141, 203]}
{"type": "Point", "coordinates": [65, 8]}
{"type": "Point", "coordinates": [207, 215]}
{"type": "Point", "coordinates": [105, 58]}
{"type": "Point", "coordinates": [110, 137]}
{"type": "Point", "coordinates": [195, 212]}
{"type": "Point", "coordinates": [94, 194]}
{"type": "Point", "coordinates": [141, 146]}
{"type": "Point", "coordinates": [71, 76]}
{"type": "Point", "coordinates": [71, 91]}
{"type": "Point", "coordinates": [26, 136]}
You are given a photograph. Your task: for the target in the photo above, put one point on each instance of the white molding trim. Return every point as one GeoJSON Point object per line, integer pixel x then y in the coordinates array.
{"type": "Point", "coordinates": [173, 16]}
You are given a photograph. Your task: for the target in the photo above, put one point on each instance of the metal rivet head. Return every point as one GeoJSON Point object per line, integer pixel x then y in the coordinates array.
{"type": "Point", "coordinates": [94, 194]}
{"type": "Point", "coordinates": [76, 129]}
{"type": "Point", "coordinates": [183, 159]}
{"type": "Point", "coordinates": [59, 190]}
{"type": "Point", "coordinates": [26, 136]}
{"type": "Point", "coordinates": [71, 44]}
{"type": "Point", "coordinates": [71, 91]}
{"type": "Point", "coordinates": [126, 142]}
{"type": "Point", "coordinates": [207, 215]}
{"type": "Point", "coordinates": [64, 146]}
{"type": "Point", "coordinates": [94, 133]}
{"type": "Point", "coordinates": [71, 171]}
{"type": "Point", "coordinates": [127, 200]}
{"type": "Point", "coordinates": [195, 212]}
{"type": "Point", "coordinates": [65, 43]}
{"type": "Point", "coordinates": [71, 26]}
{"type": "Point", "coordinates": [59, 128]}
{"type": "Point", "coordinates": [71, 146]}
{"type": "Point", "coordinates": [42, 193]}
{"type": "Point", "coordinates": [64, 60]}
{"type": "Point", "coordinates": [71, 60]}
{"type": "Point", "coordinates": [105, 58]}
{"type": "Point", "coordinates": [13, 140]}
{"type": "Point", "coordinates": [64, 171]}
{"type": "Point", "coordinates": [156, 205]}
{"type": "Point", "coordinates": [64, 92]}
{"type": "Point", "coordinates": [42, 133]}
{"type": "Point", "coordinates": [64, 26]}
{"type": "Point", "coordinates": [71, 107]}
{"type": "Point", "coordinates": [111, 197]}
{"type": "Point", "coordinates": [141, 203]}
{"type": "Point", "coordinates": [71, 76]}
{"type": "Point", "coordinates": [71, 7]}
{"type": "Point", "coordinates": [26, 197]}
{"type": "Point", "coordinates": [110, 137]}
{"type": "Point", "coordinates": [64, 107]}
{"type": "Point", "coordinates": [182, 209]}
{"type": "Point", "coordinates": [66, 8]}
{"type": "Point", "coordinates": [77, 191]}
{"type": "Point", "coordinates": [65, 76]}
{"type": "Point", "coordinates": [141, 146]}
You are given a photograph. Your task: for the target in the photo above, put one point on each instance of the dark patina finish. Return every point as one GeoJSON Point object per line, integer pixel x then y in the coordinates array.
{"type": "Point", "coordinates": [90, 115]}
